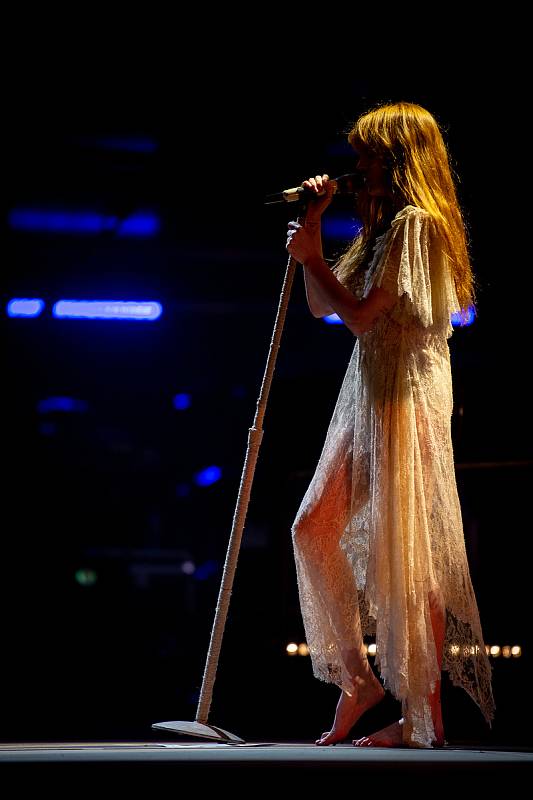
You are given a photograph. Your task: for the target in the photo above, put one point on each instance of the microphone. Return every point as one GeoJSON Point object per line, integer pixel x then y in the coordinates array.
{"type": "Point", "coordinates": [350, 183]}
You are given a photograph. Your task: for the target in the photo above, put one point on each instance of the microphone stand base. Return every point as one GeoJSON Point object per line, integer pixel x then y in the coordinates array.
{"type": "Point", "coordinates": [199, 729]}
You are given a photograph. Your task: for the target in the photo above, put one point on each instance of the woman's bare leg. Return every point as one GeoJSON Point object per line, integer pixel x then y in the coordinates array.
{"type": "Point", "coordinates": [391, 736]}
{"type": "Point", "coordinates": [325, 569]}
{"type": "Point", "coordinates": [350, 708]}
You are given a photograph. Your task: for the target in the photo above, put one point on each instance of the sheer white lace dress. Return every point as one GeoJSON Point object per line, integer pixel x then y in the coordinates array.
{"type": "Point", "coordinates": [380, 525]}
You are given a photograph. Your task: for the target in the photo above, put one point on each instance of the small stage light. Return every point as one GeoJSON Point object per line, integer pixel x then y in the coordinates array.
{"type": "Point", "coordinates": [24, 307]}
{"type": "Point", "coordinates": [208, 476]}
{"type": "Point", "coordinates": [86, 577]}
{"type": "Point", "coordinates": [181, 401]}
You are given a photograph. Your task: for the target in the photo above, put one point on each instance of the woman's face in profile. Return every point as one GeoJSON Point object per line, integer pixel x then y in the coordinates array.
{"type": "Point", "coordinates": [372, 168]}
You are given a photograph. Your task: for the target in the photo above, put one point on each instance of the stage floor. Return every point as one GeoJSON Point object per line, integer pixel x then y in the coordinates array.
{"type": "Point", "coordinates": [139, 764]}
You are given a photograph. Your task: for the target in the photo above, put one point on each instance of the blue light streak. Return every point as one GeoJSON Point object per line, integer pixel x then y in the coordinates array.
{"type": "Point", "coordinates": [63, 404]}
{"type": "Point", "coordinates": [38, 220]}
{"type": "Point", "coordinates": [108, 309]}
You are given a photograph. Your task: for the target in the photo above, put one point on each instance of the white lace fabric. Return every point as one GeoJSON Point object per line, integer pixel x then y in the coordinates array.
{"type": "Point", "coordinates": [380, 524]}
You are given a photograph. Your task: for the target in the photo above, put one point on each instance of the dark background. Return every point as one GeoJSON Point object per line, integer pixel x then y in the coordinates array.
{"type": "Point", "coordinates": [112, 489]}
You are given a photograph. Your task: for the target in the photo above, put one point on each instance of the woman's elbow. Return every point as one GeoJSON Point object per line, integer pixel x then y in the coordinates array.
{"type": "Point", "coordinates": [361, 324]}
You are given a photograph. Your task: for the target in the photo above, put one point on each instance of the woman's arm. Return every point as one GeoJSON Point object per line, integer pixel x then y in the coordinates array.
{"type": "Point", "coordinates": [325, 293]}
{"type": "Point", "coordinates": [316, 300]}
{"type": "Point", "coordinates": [359, 316]}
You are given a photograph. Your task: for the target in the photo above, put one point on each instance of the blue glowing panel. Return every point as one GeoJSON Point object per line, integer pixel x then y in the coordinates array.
{"type": "Point", "coordinates": [63, 404]}
{"type": "Point", "coordinates": [38, 220]}
{"type": "Point", "coordinates": [333, 319]}
{"type": "Point", "coordinates": [181, 401]}
{"type": "Point", "coordinates": [340, 227]}
{"type": "Point", "coordinates": [208, 476]}
{"type": "Point", "coordinates": [458, 321]}
{"type": "Point", "coordinates": [24, 307]}
{"type": "Point", "coordinates": [107, 309]}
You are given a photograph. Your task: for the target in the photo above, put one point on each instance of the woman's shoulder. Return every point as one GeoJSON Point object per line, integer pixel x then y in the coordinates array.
{"type": "Point", "coordinates": [410, 212]}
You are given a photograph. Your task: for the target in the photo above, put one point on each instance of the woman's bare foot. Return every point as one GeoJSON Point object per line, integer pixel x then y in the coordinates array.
{"type": "Point", "coordinates": [349, 709]}
{"type": "Point", "coordinates": [391, 736]}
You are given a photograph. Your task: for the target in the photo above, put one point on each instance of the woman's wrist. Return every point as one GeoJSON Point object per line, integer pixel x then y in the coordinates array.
{"type": "Point", "coordinates": [314, 260]}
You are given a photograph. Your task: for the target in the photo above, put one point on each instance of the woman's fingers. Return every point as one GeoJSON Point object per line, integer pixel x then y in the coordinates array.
{"type": "Point", "coordinates": [323, 189]}
{"type": "Point", "coordinates": [317, 184]}
{"type": "Point", "coordinates": [300, 243]}
{"type": "Point", "coordinates": [321, 181]}
{"type": "Point", "coordinates": [293, 227]}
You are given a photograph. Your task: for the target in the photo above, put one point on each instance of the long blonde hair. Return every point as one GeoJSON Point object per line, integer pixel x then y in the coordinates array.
{"type": "Point", "coordinates": [410, 143]}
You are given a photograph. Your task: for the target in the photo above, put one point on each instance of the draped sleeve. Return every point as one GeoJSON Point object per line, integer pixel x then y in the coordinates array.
{"type": "Point", "coordinates": [410, 263]}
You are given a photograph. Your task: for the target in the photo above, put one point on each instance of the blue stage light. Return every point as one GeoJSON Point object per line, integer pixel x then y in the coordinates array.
{"type": "Point", "coordinates": [108, 309]}
{"type": "Point", "coordinates": [39, 220]}
{"type": "Point", "coordinates": [139, 225]}
{"type": "Point", "coordinates": [24, 307]}
{"type": "Point", "coordinates": [207, 476]}
{"type": "Point", "coordinates": [469, 318]}
{"type": "Point", "coordinates": [333, 319]}
{"type": "Point", "coordinates": [181, 401]}
{"type": "Point", "coordinates": [63, 404]}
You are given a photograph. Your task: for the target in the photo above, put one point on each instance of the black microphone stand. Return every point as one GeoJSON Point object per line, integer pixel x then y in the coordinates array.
{"type": "Point", "coordinates": [201, 727]}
